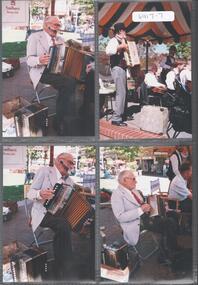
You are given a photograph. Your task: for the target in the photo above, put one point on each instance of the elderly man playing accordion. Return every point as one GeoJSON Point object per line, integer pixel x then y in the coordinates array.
{"type": "Point", "coordinates": [42, 190]}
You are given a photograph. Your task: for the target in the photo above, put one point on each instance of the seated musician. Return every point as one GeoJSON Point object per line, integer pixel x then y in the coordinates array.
{"type": "Point", "coordinates": [42, 190]}
{"type": "Point", "coordinates": [152, 82]}
{"type": "Point", "coordinates": [115, 49]}
{"type": "Point", "coordinates": [131, 211]}
{"type": "Point", "coordinates": [128, 206]}
{"type": "Point", "coordinates": [37, 59]}
{"type": "Point", "coordinates": [178, 187]}
{"type": "Point", "coordinates": [172, 75]}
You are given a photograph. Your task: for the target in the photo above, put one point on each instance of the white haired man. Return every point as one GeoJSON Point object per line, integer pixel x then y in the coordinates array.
{"type": "Point", "coordinates": [37, 60]}
{"type": "Point", "coordinates": [128, 205]}
{"type": "Point", "coordinates": [42, 190]}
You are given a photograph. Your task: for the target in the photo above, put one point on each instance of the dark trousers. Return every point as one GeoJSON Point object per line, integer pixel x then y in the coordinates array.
{"type": "Point", "coordinates": [62, 240]}
{"type": "Point", "coordinates": [64, 105]}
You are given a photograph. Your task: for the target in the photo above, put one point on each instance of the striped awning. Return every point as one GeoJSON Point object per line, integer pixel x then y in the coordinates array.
{"type": "Point", "coordinates": [179, 30]}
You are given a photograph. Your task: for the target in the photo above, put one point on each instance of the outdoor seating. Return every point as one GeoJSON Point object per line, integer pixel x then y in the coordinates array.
{"type": "Point", "coordinates": [39, 233]}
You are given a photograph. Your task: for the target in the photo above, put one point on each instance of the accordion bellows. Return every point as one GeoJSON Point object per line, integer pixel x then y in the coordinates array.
{"type": "Point", "coordinates": [71, 205]}
{"type": "Point", "coordinates": [72, 64]}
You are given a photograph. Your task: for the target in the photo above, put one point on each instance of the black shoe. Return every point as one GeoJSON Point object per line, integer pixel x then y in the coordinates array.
{"type": "Point", "coordinates": [119, 123]}
{"type": "Point", "coordinates": [130, 118]}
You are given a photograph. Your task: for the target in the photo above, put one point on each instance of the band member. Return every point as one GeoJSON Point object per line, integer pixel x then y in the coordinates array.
{"type": "Point", "coordinates": [168, 63]}
{"type": "Point", "coordinates": [131, 211]}
{"type": "Point", "coordinates": [115, 49]}
{"type": "Point", "coordinates": [37, 59]}
{"type": "Point", "coordinates": [42, 190]}
{"type": "Point", "coordinates": [172, 75]}
{"type": "Point", "coordinates": [179, 156]}
{"type": "Point", "coordinates": [178, 187]}
{"type": "Point", "coordinates": [128, 206]}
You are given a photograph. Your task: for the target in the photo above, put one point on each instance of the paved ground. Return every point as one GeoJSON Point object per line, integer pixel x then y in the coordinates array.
{"type": "Point", "coordinates": [20, 85]}
{"type": "Point", "coordinates": [150, 270]}
{"type": "Point", "coordinates": [17, 229]}
{"type": "Point", "coordinates": [132, 131]}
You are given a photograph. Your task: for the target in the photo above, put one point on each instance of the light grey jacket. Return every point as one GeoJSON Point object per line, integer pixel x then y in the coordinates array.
{"type": "Point", "coordinates": [127, 211]}
{"type": "Point", "coordinates": [45, 177]}
{"type": "Point", "coordinates": [38, 45]}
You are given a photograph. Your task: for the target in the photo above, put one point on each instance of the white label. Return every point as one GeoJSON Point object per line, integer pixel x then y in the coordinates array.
{"type": "Point", "coordinates": [153, 16]}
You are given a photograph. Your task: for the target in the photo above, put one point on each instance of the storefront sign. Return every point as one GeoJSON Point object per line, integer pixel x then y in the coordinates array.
{"type": "Point", "coordinates": [14, 157]}
{"type": "Point", "coordinates": [15, 12]}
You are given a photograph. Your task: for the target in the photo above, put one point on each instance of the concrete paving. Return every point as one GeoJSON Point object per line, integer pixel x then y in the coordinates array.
{"type": "Point", "coordinates": [17, 229]}
{"type": "Point", "coordinates": [150, 270]}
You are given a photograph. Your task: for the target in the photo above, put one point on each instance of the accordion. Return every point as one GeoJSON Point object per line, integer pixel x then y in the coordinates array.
{"type": "Point", "coordinates": [70, 63]}
{"type": "Point", "coordinates": [131, 56]}
{"type": "Point", "coordinates": [31, 120]}
{"type": "Point", "coordinates": [157, 205]}
{"type": "Point", "coordinates": [115, 255]}
{"type": "Point", "coordinates": [71, 205]}
{"type": "Point", "coordinates": [29, 265]}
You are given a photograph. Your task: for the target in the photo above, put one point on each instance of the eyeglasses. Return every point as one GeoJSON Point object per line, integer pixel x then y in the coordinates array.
{"type": "Point", "coordinates": [70, 162]}
{"type": "Point", "coordinates": [131, 178]}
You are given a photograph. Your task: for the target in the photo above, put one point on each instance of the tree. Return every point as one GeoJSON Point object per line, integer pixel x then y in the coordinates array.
{"type": "Point", "coordinates": [125, 153]}
{"type": "Point", "coordinates": [183, 50]}
{"type": "Point", "coordinates": [88, 5]}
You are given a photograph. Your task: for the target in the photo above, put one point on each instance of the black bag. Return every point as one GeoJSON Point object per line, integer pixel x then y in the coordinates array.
{"type": "Point", "coordinates": [181, 120]}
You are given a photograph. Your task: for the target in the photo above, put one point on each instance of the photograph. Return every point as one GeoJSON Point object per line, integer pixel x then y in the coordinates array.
{"type": "Point", "coordinates": [145, 80]}
{"type": "Point", "coordinates": [48, 213]}
{"type": "Point", "coordinates": [48, 68]}
{"type": "Point", "coordinates": [146, 214]}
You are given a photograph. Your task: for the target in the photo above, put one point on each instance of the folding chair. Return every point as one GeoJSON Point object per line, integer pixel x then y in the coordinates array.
{"type": "Point", "coordinates": [41, 231]}
{"type": "Point", "coordinates": [39, 91]}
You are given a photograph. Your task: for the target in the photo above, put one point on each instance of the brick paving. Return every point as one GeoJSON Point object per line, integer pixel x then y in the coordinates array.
{"type": "Point", "coordinates": [130, 132]}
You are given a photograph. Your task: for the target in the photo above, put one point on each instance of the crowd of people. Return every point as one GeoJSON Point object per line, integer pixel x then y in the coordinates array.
{"type": "Point", "coordinates": [166, 79]}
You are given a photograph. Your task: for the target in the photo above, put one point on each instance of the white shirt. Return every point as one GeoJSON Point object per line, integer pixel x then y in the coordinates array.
{"type": "Point", "coordinates": [49, 39]}
{"type": "Point", "coordinates": [151, 80]}
{"type": "Point", "coordinates": [178, 188]}
{"type": "Point", "coordinates": [175, 162]}
{"type": "Point", "coordinates": [170, 78]}
{"type": "Point", "coordinates": [112, 46]}
{"type": "Point", "coordinates": [185, 75]}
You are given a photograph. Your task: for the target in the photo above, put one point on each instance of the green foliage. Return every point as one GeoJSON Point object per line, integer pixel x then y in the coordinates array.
{"type": "Point", "coordinates": [183, 50]}
{"type": "Point", "coordinates": [126, 153]}
{"type": "Point", "coordinates": [90, 152]}
{"type": "Point", "coordinates": [13, 193]}
{"type": "Point", "coordinates": [15, 49]}
{"type": "Point", "coordinates": [87, 6]}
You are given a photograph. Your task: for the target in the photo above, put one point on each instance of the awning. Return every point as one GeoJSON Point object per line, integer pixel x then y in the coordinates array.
{"type": "Point", "coordinates": [179, 30]}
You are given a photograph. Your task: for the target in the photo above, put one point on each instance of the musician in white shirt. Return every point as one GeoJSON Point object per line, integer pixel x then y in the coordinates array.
{"type": "Point", "coordinates": [115, 49]}
{"type": "Point", "coordinates": [172, 75]}
{"type": "Point", "coordinates": [42, 190]}
{"type": "Point", "coordinates": [151, 79]}
{"type": "Point", "coordinates": [178, 187]}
